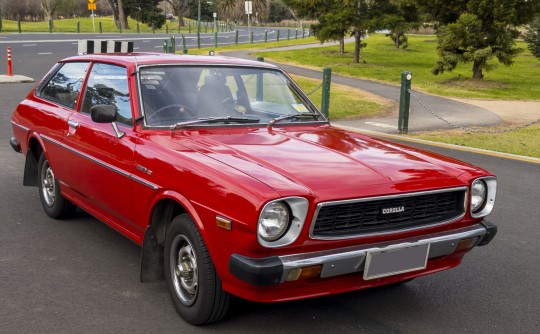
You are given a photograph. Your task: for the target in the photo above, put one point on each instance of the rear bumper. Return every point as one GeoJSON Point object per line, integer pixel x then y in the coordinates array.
{"type": "Point", "coordinates": [336, 262]}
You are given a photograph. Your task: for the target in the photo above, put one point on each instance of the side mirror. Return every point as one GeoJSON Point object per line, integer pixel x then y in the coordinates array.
{"type": "Point", "coordinates": [104, 113]}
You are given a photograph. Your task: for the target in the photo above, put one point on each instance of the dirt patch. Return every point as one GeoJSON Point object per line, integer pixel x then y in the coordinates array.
{"type": "Point", "coordinates": [467, 83]}
{"type": "Point", "coordinates": [516, 112]}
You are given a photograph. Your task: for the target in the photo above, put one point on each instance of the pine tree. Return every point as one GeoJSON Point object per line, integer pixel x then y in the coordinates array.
{"type": "Point", "coordinates": [485, 29]}
{"type": "Point", "coordinates": [533, 37]}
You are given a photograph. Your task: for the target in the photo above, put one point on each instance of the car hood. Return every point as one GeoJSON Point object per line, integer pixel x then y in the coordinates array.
{"type": "Point", "coordinates": [325, 162]}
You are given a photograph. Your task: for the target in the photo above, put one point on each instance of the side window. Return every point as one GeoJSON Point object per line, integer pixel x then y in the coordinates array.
{"type": "Point", "coordinates": [108, 85]}
{"type": "Point", "coordinates": [65, 86]}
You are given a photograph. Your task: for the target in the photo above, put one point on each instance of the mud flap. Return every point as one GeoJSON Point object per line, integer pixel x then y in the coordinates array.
{"type": "Point", "coordinates": [151, 258]}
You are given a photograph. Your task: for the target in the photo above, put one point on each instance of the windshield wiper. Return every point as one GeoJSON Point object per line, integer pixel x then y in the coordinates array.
{"type": "Point", "coordinates": [281, 118]}
{"type": "Point", "coordinates": [209, 120]}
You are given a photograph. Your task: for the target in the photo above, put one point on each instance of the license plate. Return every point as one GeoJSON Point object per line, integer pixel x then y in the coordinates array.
{"type": "Point", "coordinates": [388, 262]}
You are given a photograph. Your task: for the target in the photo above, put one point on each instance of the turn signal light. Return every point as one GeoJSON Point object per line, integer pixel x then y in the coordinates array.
{"type": "Point", "coordinates": [304, 273]}
{"type": "Point", "coordinates": [466, 244]}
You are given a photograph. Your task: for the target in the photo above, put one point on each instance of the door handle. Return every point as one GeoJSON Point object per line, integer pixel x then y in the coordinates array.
{"type": "Point", "coordinates": [73, 125]}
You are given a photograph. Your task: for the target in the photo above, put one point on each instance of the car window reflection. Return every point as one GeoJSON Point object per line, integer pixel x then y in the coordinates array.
{"type": "Point", "coordinates": [65, 85]}
{"type": "Point", "coordinates": [108, 85]}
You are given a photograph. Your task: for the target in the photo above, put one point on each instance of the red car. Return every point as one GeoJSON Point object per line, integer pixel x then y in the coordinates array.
{"type": "Point", "coordinates": [234, 184]}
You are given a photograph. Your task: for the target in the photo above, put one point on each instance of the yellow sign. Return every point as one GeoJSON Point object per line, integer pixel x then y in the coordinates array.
{"type": "Point", "coordinates": [91, 1]}
{"type": "Point", "coordinates": [92, 6]}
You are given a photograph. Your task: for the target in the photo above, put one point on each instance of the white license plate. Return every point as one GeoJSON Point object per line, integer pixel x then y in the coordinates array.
{"type": "Point", "coordinates": [393, 261]}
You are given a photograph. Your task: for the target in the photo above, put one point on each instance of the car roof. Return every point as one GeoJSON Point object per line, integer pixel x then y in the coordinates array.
{"type": "Point", "coordinates": [146, 58]}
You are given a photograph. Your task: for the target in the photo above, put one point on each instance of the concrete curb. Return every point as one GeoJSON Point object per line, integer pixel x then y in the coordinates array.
{"type": "Point", "coordinates": [4, 79]}
{"type": "Point", "coordinates": [444, 145]}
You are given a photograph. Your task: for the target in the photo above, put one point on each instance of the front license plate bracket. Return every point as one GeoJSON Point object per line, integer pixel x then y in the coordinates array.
{"type": "Point", "coordinates": [393, 261]}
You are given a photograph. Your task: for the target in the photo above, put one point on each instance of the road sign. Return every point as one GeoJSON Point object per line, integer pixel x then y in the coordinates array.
{"type": "Point", "coordinates": [92, 5]}
{"type": "Point", "coordinates": [249, 7]}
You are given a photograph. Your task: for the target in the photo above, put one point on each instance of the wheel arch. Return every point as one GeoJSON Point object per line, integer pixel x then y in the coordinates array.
{"type": "Point", "coordinates": [34, 151]}
{"type": "Point", "coordinates": [162, 213]}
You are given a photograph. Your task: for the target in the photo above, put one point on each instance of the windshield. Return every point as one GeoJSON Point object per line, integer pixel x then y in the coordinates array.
{"type": "Point", "coordinates": [177, 94]}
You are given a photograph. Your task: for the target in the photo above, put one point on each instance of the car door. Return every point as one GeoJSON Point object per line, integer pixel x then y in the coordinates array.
{"type": "Point", "coordinates": [57, 99]}
{"type": "Point", "coordinates": [101, 162]}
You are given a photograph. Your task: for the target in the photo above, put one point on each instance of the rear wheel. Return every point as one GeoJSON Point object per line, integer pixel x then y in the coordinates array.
{"type": "Point", "coordinates": [194, 285]}
{"type": "Point", "coordinates": [54, 204]}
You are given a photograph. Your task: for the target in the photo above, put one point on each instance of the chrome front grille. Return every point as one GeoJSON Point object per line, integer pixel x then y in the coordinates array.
{"type": "Point", "coordinates": [386, 214]}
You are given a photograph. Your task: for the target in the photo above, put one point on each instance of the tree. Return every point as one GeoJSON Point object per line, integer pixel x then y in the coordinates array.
{"type": "Point", "coordinates": [119, 16]}
{"type": "Point", "coordinates": [486, 29]}
{"type": "Point", "coordinates": [533, 37]}
{"type": "Point", "coordinates": [145, 11]}
{"type": "Point", "coordinates": [180, 8]}
{"type": "Point", "coordinates": [335, 18]}
{"type": "Point", "coordinates": [206, 10]}
{"type": "Point", "coordinates": [443, 12]}
{"type": "Point", "coordinates": [279, 11]}
{"type": "Point", "coordinates": [399, 16]}
{"type": "Point", "coordinates": [49, 7]}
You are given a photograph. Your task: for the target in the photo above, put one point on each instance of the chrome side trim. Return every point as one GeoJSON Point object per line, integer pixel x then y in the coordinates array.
{"type": "Point", "coordinates": [20, 126]}
{"type": "Point", "coordinates": [102, 163]}
{"type": "Point", "coordinates": [348, 260]}
{"type": "Point", "coordinates": [377, 198]}
{"type": "Point", "coordinates": [144, 182]}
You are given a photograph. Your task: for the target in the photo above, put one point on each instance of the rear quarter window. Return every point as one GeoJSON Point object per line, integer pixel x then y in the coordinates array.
{"type": "Point", "coordinates": [64, 86]}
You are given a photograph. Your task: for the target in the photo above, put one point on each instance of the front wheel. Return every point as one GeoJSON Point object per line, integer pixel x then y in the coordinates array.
{"type": "Point", "coordinates": [54, 204]}
{"type": "Point", "coordinates": [194, 285]}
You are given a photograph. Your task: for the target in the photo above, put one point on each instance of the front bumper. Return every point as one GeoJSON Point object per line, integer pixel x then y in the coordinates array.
{"type": "Point", "coordinates": [15, 144]}
{"type": "Point", "coordinates": [335, 262]}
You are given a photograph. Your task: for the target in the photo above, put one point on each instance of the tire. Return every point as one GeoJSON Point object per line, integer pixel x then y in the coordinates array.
{"type": "Point", "coordinates": [55, 205]}
{"type": "Point", "coordinates": [194, 285]}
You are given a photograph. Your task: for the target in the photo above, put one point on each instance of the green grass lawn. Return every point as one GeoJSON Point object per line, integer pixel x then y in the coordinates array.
{"type": "Point", "coordinates": [522, 142]}
{"type": "Point", "coordinates": [345, 102]}
{"type": "Point", "coordinates": [382, 62]}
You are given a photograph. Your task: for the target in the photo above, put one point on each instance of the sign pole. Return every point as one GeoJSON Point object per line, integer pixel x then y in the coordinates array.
{"type": "Point", "coordinates": [249, 10]}
{"type": "Point", "coordinates": [93, 21]}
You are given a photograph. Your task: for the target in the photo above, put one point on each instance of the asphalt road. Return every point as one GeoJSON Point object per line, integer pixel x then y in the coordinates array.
{"type": "Point", "coordinates": [80, 276]}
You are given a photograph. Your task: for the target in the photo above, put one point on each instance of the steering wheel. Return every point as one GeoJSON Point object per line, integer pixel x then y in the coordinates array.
{"type": "Point", "coordinates": [172, 112]}
{"type": "Point", "coordinates": [230, 104]}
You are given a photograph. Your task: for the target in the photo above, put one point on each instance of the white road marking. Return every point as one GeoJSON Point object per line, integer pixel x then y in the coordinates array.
{"type": "Point", "coordinates": [29, 44]}
{"type": "Point", "coordinates": [145, 41]}
{"type": "Point", "coordinates": [136, 48]}
{"type": "Point", "coordinates": [110, 36]}
{"type": "Point", "coordinates": [381, 125]}
{"type": "Point", "coordinates": [45, 53]}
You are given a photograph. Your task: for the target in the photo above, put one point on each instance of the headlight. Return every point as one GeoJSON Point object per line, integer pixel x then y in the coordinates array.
{"type": "Point", "coordinates": [273, 221]}
{"type": "Point", "coordinates": [483, 191]}
{"type": "Point", "coordinates": [478, 195]}
{"type": "Point", "coordinates": [281, 221]}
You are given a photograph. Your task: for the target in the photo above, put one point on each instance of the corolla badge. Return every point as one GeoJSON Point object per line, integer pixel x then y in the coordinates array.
{"type": "Point", "coordinates": [395, 209]}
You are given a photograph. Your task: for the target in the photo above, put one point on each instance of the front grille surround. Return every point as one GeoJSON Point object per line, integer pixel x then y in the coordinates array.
{"type": "Point", "coordinates": [463, 191]}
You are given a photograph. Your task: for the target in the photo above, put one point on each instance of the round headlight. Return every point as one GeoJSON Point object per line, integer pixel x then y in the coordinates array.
{"type": "Point", "coordinates": [274, 221]}
{"type": "Point", "coordinates": [478, 195]}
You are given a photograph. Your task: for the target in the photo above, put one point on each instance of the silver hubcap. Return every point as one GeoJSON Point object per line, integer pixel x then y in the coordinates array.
{"type": "Point", "coordinates": [48, 184]}
{"type": "Point", "coordinates": [184, 271]}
